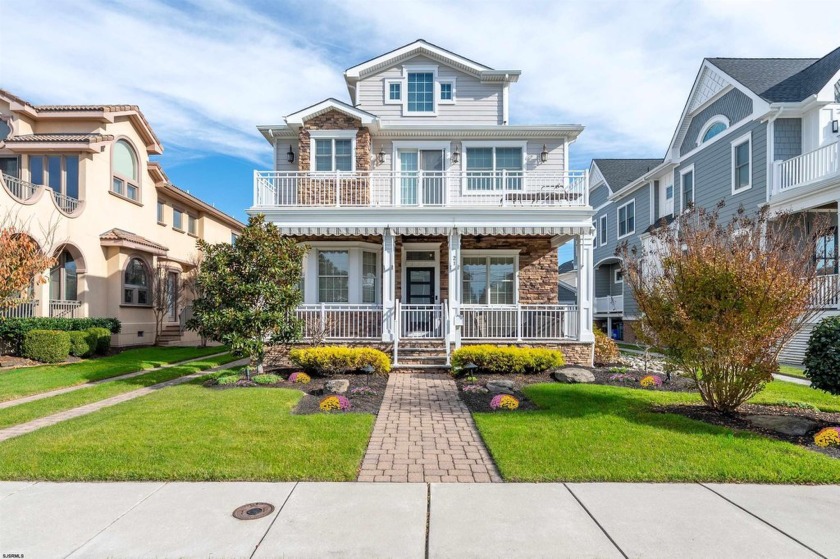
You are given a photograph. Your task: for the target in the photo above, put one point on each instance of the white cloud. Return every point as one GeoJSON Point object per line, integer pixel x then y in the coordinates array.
{"type": "Point", "coordinates": [206, 72]}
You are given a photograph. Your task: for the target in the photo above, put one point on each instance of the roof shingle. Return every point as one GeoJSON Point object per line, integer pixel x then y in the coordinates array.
{"type": "Point", "coordinates": [620, 172]}
{"type": "Point", "coordinates": [26, 138]}
{"type": "Point", "coordinates": [123, 235]}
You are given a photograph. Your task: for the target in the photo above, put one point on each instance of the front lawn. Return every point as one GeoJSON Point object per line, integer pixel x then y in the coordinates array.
{"type": "Point", "coordinates": [190, 432]}
{"type": "Point", "coordinates": [23, 381]}
{"type": "Point", "coordinates": [42, 408]}
{"type": "Point", "coordinates": [606, 433]}
{"type": "Point", "coordinates": [779, 391]}
{"type": "Point", "coordinates": [792, 371]}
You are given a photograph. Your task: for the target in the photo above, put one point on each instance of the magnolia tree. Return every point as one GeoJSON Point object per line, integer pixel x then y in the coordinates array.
{"type": "Point", "coordinates": [722, 298]}
{"type": "Point", "coordinates": [248, 291]}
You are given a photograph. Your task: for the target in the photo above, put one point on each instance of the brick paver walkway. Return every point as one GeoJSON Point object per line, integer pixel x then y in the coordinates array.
{"type": "Point", "coordinates": [35, 424]}
{"type": "Point", "coordinates": [424, 433]}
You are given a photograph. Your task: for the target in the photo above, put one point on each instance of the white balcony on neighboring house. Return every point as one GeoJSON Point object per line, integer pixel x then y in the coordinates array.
{"type": "Point", "coordinates": [433, 189]}
{"type": "Point", "coordinates": [610, 304]}
{"type": "Point", "coordinates": [811, 170]}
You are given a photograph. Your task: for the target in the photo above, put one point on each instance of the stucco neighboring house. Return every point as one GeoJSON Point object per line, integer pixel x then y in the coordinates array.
{"type": "Point", "coordinates": [83, 171]}
{"type": "Point", "coordinates": [754, 131]}
{"type": "Point", "coordinates": [431, 220]}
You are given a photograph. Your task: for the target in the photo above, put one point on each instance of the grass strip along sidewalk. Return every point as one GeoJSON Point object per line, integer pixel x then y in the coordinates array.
{"type": "Point", "coordinates": [25, 381]}
{"type": "Point", "coordinates": [191, 432]}
{"type": "Point", "coordinates": [48, 406]}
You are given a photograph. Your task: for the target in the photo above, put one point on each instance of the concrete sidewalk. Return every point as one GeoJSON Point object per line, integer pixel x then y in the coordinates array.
{"type": "Point", "coordinates": [154, 519]}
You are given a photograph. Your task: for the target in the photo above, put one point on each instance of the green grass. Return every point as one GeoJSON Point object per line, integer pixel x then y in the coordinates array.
{"type": "Point", "coordinates": [42, 408]}
{"type": "Point", "coordinates": [606, 433]}
{"type": "Point", "coordinates": [190, 432]}
{"type": "Point", "coordinates": [23, 381]}
{"type": "Point", "coordinates": [792, 371]}
{"type": "Point", "coordinates": [780, 391]}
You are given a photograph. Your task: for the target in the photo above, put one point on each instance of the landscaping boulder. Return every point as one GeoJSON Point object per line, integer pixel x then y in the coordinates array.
{"type": "Point", "coordinates": [784, 424]}
{"type": "Point", "coordinates": [501, 386]}
{"type": "Point", "coordinates": [573, 375]}
{"type": "Point", "coordinates": [336, 386]}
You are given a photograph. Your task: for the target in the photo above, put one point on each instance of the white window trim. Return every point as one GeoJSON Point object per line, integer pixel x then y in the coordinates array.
{"type": "Point", "coordinates": [683, 172]}
{"type": "Point", "coordinates": [709, 123]}
{"type": "Point", "coordinates": [332, 135]}
{"type": "Point", "coordinates": [615, 275]}
{"type": "Point", "coordinates": [354, 272]}
{"type": "Point", "coordinates": [603, 236]}
{"type": "Point", "coordinates": [489, 253]}
{"type": "Point", "coordinates": [387, 91]}
{"type": "Point", "coordinates": [406, 70]}
{"type": "Point", "coordinates": [452, 82]}
{"type": "Point", "coordinates": [618, 220]}
{"type": "Point", "coordinates": [746, 138]}
{"type": "Point", "coordinates": [485, 144]}
{"type": "Point", "coordinates": [405, 264]}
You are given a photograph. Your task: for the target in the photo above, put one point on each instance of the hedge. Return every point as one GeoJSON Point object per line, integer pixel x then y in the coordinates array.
{"type": "Point", "coordinates": [82, 344]}
{"type": "Point", "coordinates": [822, 358]}
{"type": "Point", "coordinates": [502, 360]}
{"type": "Point", "coordinates": [332, 360]}
{"type": "Point", "coordinates": [102, 339]}
{"type": "Point", "coordinates": [46, 346]}
{"type": "Point", "coordinates": [12, 330]}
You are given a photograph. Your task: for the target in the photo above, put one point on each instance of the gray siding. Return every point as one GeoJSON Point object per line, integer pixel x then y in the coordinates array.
{"type": "Point", "coordinates": [734, 105]}
{"type": "Point", "coordinates": [605, 281]}
{"type": "Point", "coordinates": [787, 141]}
{"type": "Point", "coordinates": [599, 196]}
{"type": "Point", "coordinates": [713, 173]}
{"type": "Point", "coordinates": [475, 102]}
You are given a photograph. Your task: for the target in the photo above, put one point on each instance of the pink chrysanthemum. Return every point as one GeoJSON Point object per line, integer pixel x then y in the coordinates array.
{"type": "Point", "coordinates": [301, 378]}
{"type": "Point", "coordinates": [335, 402]}
{"type": "Point", "coordinates": [504, 402]}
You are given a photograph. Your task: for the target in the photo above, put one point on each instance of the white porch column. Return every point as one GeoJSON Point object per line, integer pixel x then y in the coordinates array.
{"type": "Point", "coordinates": [585, 299]}
{"type": "Point", "coordinates": [455, 286]}
{"type": "Point", "coordinates": [388, 285]}
{"type": "Point", "coordinates": [42, 295]}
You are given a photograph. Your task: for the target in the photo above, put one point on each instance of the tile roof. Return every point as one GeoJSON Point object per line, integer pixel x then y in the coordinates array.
{"type": "Point", "coordinates": [122, 235]}
{"type": "Point", "coordinates": [779, 80]}
{"type": "Point", "coordinates": [26, 138]}
{"type": "Point", "coordinates": [620, 172]}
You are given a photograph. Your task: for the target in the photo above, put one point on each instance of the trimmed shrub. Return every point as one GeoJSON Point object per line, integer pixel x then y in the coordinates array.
{"type": "Point", "coordinates": [331, 360]}
{"type": "Point", "coordinates": [228, 380]}
{"type": "Point", "coordinates": [103, 339]}
{"type": "Point", "coordinates": [502, 360]}
{"type": "Point", "coordinates": [12, 330]}
{"type": "Point", "coordinates": [82, 344]}
{"type": "Point", "coordinates": [606, 350]}
{"type": "Point", "coordinates": [46, 346]}
{"type": "Point", "coordinates": [822, 358]}
{"type": "Point", "coordinates": [267, 378]}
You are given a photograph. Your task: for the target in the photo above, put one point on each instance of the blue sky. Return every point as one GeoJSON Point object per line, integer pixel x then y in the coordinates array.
{"type": "Point", "coordinates": [206, 72]}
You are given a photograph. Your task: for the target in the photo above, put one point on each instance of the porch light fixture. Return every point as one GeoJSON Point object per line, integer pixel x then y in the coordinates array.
{"type": "Point", "coordinates": [544, 154]}
{"type": "Point", "coordinates": [456, 155]}
{"type": "Point", "coordinates": [835, 126]}
{"type": "Point", "coordinates": [380, 158]}
{"type": "Point", "coordinates": [290, 155]}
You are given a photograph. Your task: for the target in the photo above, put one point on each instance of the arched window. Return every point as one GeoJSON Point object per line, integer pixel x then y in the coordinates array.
{"type": "Point", "coordinates": [126, 171]}
{"type": "Point", "coordinates": [63, 285]}
{"type": "Point", "coordinates": [712, 128]}
{"type": "Point", "coordinates": [136, 283]}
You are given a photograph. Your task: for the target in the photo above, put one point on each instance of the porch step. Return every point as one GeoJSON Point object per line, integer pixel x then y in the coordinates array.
{"type": "Point", "coordinates": [424, 354]}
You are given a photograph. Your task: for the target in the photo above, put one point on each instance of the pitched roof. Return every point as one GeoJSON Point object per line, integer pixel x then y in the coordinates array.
{"type": "Point", "coordinates": [197, 202]}
{"type": "Point", "coordinates": [118, 236]}
{"type": "Point", "coordinates": [618, 173]}
{"type": "Point", "coordinates": [27, 138]}
{"type": "Point", "coordinates": [780, 80]}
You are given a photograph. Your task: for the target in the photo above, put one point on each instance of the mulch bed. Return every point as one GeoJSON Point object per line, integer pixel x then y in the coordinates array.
{"type": "Point", "coordinates": [480, 402]}
{"type": "Point", "coordinates": [14, 362]}
{"type": "Point", "coordinates": [314, 391]}
{"type": "Point", "coordinates": [738, 420]}
{"type": "Point", "coordinates": [676, 384]}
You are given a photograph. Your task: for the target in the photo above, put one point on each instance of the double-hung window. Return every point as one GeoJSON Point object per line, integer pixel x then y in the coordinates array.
{"type": "Point", "coordinates": [602, 230]}
{"type": "Point", "coordinates": [192, 224]}
{"type": "Point", "coordinates": [687, 188]}
{"type": "Point", "coordinates": [333, 154]}
{"type": "Point", "coordinates": [59, 172]}
{"type": "Point", "coordinates": [161, 208]}
{"type": "Point", "coordinates": [489, 280]}
{"type": "Point", "coordinates": [627, 219]}
{"type": "Point", "coordinates": [370, 285]}
{"type": "Point", "coordinates": [494, 168]}
{"type": "Point", "coordinates": [741, 164]}
{"type": "Point", "coordinates": [333, 276]}
{"type": "Point", "coordinates": [177, 219]}
{"type": "Point", "coordinates": [421, 92]}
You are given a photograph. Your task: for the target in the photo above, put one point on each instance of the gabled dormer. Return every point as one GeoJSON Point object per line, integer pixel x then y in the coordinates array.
{"type": "Point", "coordinates": [423, 83]}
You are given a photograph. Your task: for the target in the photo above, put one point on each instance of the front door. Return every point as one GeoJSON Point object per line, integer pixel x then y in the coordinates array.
{"type": "Point", "coordinates": [422, 180]}
{"type": "Point", "coordinates": [421, 286]}
{"type": "Point", "coordinates": [172, 296]}
{"type": "Point", "coordinates": [419, 317]}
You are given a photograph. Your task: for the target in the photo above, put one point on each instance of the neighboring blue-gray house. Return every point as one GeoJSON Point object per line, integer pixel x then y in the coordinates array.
{"type": "Point", "coordinates": [754, 131]}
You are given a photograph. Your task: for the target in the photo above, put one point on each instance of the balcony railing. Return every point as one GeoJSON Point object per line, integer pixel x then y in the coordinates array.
{"type": "Point", "coordinates": [520, 322]}
{"type": "Point", "coordinates": [341, 321]}
{"type": "Point", "coordinates": [806, 169]}
{"type": "Point", "coordinates": [609, 304]}
{"type": "Point", "coordinates": [420, 188]}
{"type": "Point", "coordinates": [826, 291]}
{"type": "Point", "coordinates": [65, 203]}
{"type": "Point", "coordinates": [64, 309]}
{"type": "Point", "coordinates": [24, 309]}
{"type": "Point", "coordinates": [20, 189]}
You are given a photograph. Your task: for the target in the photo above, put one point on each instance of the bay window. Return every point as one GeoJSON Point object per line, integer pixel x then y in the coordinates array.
{"type": "Point", "coordinates": [488, 280]}
{"type": "Point", "coordinates": [333, 276]}
{"type": "Point", "coordinates": [494, 168]}
{"type": "Point", "coordinates": [342, 272]}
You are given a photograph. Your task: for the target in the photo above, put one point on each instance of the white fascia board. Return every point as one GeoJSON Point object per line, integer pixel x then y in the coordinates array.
{"type": "Point", "coordinates": [418, 47]}
{"type": "Point", "coordinates": [500, 76]}
{"type": "Point", "coordinates": [273, 132]}
{"type": "Point", "coordinates": [296, 119]}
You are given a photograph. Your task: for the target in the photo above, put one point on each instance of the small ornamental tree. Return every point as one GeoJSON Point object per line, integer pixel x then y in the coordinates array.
{"type": "Point", "coordinates": [722, 299]}
{"type": "Point", "coordinates": [21, 263]}
{"type": "Point", "coordinates": [248, 291]}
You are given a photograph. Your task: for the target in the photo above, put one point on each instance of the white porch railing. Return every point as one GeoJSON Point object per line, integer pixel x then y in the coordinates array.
{"type": "Point", "coordinates": [64, 309]}
{"type": "Point", "coordinates": [610, 303]}
{"type": "Point", "coordinates": [807, 168]}
{"type": "Point", "coordinates": [520, 322]}
{"type": "Point", "coordinates": [825, 292]}
{"type": "Point", "coordinates": [65, 203]}
{"type": "Point", "coordinates": [421, 321]}
{"type": "Point", "coordinates": [20, 189]}
{"type": "Point", "coordinates": [24, 309]}
{"type": "Point", "coordinates": [341, 321]}
{"type": "Point", "coordinates": [421, 188]}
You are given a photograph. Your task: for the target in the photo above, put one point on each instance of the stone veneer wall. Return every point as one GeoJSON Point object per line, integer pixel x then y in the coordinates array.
{"type": "Point", "coordinates": [538, 274]}
{"type": "Point", "coordinates": [334, 120]}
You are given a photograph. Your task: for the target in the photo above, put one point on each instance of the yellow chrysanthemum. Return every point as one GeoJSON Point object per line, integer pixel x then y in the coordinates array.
{"type": "Point", "coordinates": [830, 436]}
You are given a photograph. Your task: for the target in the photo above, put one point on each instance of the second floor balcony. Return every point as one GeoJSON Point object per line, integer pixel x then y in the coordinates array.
{"type": "Point", "coordinates": [433, 189]}
{"type": "Point", "coordinates": [25, 192]}
{"type": "Point", "coordinates": [817, 167]}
